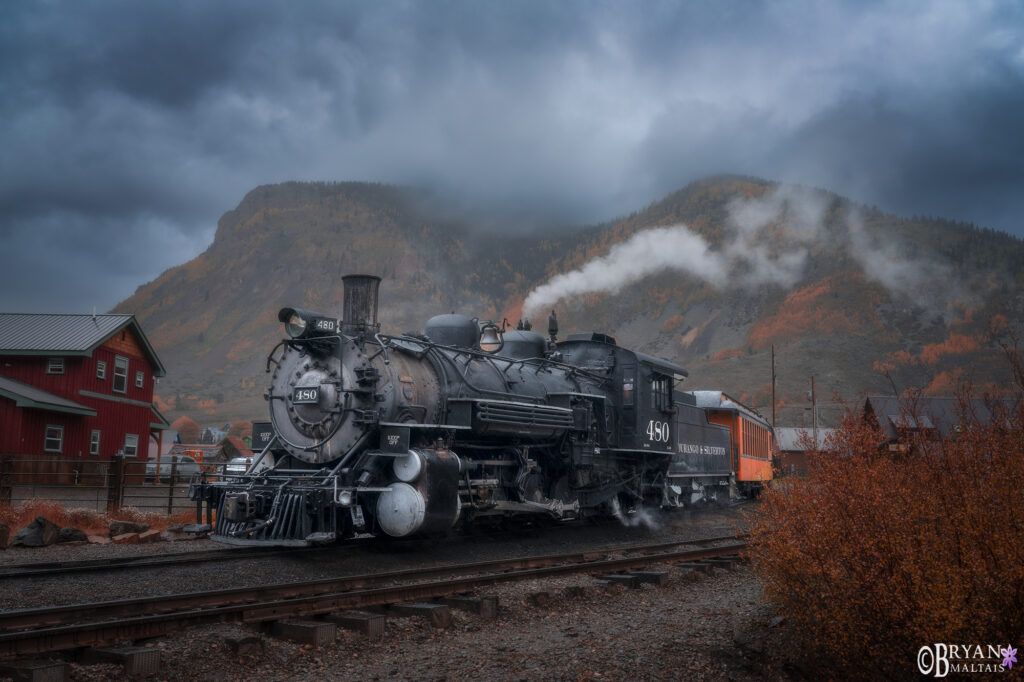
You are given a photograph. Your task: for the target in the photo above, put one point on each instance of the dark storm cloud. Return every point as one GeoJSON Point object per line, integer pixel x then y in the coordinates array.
{"type": "Point", "coordinates": [128, 128]}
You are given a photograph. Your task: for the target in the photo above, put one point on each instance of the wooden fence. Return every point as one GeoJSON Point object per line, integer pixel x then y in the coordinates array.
{"type": "Point", "coordinates": [99, 485]}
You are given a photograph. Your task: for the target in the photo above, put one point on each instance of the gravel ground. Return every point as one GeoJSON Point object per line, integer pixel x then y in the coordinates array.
{"type": "Point", "coordinates": [696, 627]}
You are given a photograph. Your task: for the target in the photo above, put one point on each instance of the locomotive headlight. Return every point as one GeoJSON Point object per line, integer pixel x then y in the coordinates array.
{"type": "Point", "coordinates": [303, 324]}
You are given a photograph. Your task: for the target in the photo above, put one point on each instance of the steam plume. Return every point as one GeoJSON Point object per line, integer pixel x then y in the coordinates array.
{"type": "Point", "coordinates": [768, 242]}
{"type": "Point", "coordinates": [646, 253]}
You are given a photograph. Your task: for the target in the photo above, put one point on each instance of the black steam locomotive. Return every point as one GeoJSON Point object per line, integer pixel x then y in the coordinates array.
{"type": "Point", "coordinates": [406, 435]}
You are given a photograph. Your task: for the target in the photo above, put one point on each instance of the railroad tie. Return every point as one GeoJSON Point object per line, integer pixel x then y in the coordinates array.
{"type": "Point", "coordinates": [439, 614]}
{"type": "Point", "coordinates": [138, 661]}
{"type": "Point", "coordinates": [659, 578]}
{"type": "Point", "coordinates": [621, 578]}
{"type": "Point", "coordinates": [369, 624]}
{"type": "Point", "coordinates": [485, 607]}
{"type": "Point", "coordinates": [728, 564]}
{"type": "Point", "coordinates": [35, 671]}
{"type": "Point", "coordinates": [315, 632]}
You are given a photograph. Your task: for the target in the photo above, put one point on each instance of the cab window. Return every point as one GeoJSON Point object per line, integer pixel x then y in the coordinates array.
{"type": "Point", "coordinates": [661, 392]}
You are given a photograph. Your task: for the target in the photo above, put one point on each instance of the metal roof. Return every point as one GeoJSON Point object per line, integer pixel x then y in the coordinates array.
{"type": "Point", "coordinates": [662, 365]}
{"type": "Point", "coordinates": [719, 400]}
{"type": "Point", "coordinates": [788, 438]}
{"type": "Point", "coordinates": [942, 414]}
{"type": "Point", "coordinates": [25, 395]}
{"type": "Point", "coordinates": [59, 334]}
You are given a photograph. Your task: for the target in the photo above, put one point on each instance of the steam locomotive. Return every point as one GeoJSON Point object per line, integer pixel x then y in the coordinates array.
{"type": "Point", "coordinates": [406, 435]}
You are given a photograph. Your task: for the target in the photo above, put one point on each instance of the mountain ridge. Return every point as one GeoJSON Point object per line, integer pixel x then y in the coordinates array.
{"type": "Point", "coordinates": [839, 315]}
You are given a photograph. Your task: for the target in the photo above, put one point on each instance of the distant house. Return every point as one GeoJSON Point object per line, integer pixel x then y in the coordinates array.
{"type": "Point", "coordinates": [932, 417]}
{"type": "Point", "coordinates": [792, 453]}
{"type": "Point", "coordinates": [77, 387]}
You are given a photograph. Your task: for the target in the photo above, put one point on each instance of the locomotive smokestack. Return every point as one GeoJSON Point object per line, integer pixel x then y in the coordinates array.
{"type": "Point", "coordinates": [360, 306]}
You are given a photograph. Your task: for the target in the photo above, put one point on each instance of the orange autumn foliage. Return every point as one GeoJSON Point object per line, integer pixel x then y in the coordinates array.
{"type": "Point", "coordinates": [956, 343]}
{"type": "Point", "coordinates": [20, 515]}
{"type": "Point", "coordinates": [805, 310]}
{"type": "Point", "coordinates": [727, 353]}
{"type": "Point", "coordinates": [880, 551]}
{"type": "Point", "coordinates": [672, 323]}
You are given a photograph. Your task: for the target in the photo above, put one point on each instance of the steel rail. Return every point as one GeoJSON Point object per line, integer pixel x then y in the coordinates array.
{"type": "Point", "coordinates": [20, 619]}
{"type": "Point", "coordinates": [51, 568]}
{"type": "Point", "coordinates": [32, 631]}
{"type": "Point", "coordinates": [148, 561]}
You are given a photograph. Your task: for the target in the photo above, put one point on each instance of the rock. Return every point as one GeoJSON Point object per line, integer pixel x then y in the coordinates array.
{"type": "Point", "coordinates": [99, 540]}
{"type": "Point", "coordinates": [126, 539]}
{"type": "Point", "coordinates": [151, 535]}
{"type": "Point", "coordinates": [247, 647]}
{"type": "Point", "coordinates": [122, 527]}
{"type": "Point", "coordinates": [69, 534]}
{"type": "Point", "coordinates": [5, 535]}
{"type": "Point", "coordinates": [40, 533]}
{"type": "Point", "coordinates": [197, 528]}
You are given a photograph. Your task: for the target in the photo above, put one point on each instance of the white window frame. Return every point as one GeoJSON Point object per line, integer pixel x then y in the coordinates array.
{"type": "Point", "coordinates": [55, 365]}
{"type": "Point", "coordinates": [94, 442]}
{"type": "Point", "coordinates": [131, 445]}
{"type": "Point", "coordinates": [101, 369]}
{"type": "Point", "coordinates": [59, 438]}
{"type": "Point", "coordinates": [140, 379]}
{"type": "Point", "coordinates": [123, 375]}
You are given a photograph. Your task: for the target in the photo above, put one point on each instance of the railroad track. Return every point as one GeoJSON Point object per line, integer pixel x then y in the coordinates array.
{"type": "Point", "coordinates": [55, 568]}
{"type": "Point", "coordinates": [33, 631]}
{"type": "Point", "coordinates": [52, 568]}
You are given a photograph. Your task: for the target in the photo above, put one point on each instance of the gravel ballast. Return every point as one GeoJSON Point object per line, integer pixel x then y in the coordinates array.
{"type": "Point", "coordinates": [695, 627]}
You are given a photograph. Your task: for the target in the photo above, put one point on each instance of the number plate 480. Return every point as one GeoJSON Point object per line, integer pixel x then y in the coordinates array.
{"type": "Point", "coordinates": [305, 395]}
{"type": "Point", "coordinates": [657, 431]}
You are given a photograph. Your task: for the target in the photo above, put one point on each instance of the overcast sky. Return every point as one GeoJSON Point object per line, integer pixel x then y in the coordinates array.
{"type": "Point", "coordinates": [128, 128]}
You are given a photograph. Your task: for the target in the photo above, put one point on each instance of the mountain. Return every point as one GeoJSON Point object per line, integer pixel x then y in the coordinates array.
{"type": "Point", "coordinates": [857, 298]}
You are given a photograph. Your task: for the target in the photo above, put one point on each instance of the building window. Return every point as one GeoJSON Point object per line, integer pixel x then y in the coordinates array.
{"type": "Point", "coordinates": [55, 366]}
{"type": "Point", "coordinates": [140, 379]}
{"type": "Point", "coordinates": [131, 445]}
{"type": "Point", "coordinates": [101, 369]}
{"type": "Point", "coordinates": [94, 442]}
{"type": "Point", "coordinates": [54, 441]}
{"type": "Point", "coordinates": [120, 374]}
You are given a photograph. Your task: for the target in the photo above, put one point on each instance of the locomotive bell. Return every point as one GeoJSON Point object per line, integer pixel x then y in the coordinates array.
{"type": "Point", "coordinates": [490, 338]}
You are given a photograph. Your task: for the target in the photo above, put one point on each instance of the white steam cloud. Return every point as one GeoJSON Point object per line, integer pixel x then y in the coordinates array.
{"type": "Point", "coordinates": [648, 252]}
{"type": "Point", "coordinates": [768, 242]}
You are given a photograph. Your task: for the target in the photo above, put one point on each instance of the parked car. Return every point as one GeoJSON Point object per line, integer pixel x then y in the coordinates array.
{"type": "Point", "coordinates": [183, 467]}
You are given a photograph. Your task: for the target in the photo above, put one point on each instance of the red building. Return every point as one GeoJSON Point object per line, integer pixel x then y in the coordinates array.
{"type": "Point", "coordinates": [77, 386]}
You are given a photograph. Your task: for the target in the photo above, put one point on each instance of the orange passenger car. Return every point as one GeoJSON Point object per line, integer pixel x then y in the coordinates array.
{"type": "Point", "coordinates": [750, 437]}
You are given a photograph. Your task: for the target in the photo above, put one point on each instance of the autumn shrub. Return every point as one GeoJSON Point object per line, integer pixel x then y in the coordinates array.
{"type": "Point", "coordinates": [886, 548]}
{"type": "Point", "coordinates": [93, 523]}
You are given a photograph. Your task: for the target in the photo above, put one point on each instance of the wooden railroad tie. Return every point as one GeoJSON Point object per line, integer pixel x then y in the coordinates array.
{"type": "Point", "coordinates": [35, 671]}
{"type": "Point", "coordinates": [369, 624]}
{"type": "Point", "coordinates": [138, 661]}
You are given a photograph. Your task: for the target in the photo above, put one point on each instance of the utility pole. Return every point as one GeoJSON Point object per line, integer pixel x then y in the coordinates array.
{"type": "Point", "coordinates": [814, 413]}
{"type": "Point", "coordinates": [773, 385]}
